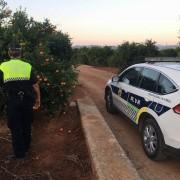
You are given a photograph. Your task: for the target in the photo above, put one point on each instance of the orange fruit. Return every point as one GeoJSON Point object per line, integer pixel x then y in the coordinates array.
{"type": "Point", "coordinates": [38, 76]}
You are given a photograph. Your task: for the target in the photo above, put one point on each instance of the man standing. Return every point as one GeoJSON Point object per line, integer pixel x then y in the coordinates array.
{"type": "Point", "coordinates": [23, 95]}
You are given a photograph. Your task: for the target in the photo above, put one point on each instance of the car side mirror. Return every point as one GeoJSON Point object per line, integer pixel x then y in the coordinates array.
{"type": "Point", "coordinates": [115, 78]}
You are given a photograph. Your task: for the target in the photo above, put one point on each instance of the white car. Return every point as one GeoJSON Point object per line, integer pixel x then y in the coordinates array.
{"type": "Point", "coordinates": [149, 94]}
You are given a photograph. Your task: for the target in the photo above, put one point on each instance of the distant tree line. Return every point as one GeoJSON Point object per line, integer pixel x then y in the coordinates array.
{"type": "Point", "coordinates": [122, 55]}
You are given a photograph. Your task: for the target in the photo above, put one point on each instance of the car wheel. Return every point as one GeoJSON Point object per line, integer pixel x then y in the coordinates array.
{"type": "Point", "coordinates": [152, 140]}
{"type": "Point", "coordinates": [109, 102]}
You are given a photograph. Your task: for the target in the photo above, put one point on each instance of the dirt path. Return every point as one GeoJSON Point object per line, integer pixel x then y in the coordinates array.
{"type": "Point", "coordinates": [93, 80]}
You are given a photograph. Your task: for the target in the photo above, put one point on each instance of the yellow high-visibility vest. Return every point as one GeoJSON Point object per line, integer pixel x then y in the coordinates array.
{"type": "Point", "coordinates": [15, 70]}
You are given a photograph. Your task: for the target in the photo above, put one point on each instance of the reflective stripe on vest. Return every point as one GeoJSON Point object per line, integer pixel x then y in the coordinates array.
{"type": "Point", "coordinates": [15, 70]}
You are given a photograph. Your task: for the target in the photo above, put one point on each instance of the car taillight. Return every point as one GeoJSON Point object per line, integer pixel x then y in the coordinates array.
{"type": "Point", "coordinates": [177, 109]}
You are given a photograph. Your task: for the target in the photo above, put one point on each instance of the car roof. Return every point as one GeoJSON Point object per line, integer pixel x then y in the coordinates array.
{"type": "Point", "coordinates": [170, 69]}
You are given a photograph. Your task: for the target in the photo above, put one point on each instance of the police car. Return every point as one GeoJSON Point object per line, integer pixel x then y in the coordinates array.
{"type": "Point", "coordinates": [149, 95]}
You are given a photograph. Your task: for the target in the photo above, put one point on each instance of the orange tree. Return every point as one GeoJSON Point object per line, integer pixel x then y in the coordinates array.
{"type": "Point", "coordinates": [57, 78]}
{"type": "Point", "coordinates": [48, 50]}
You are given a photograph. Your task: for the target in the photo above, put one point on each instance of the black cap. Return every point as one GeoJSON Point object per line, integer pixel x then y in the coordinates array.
{"type": "Point", "coordinates": [14, 50]}
{"type": "Point", "coordinates": [14, 46]}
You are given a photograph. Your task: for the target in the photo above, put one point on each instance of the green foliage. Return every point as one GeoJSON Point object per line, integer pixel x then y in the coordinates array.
{"type": "Point", "coordinates": [178, 51]}
{"type": "Point", "coordinates": [122, 56]}
{"type": "Point", "coordinates": [48, 50]}
{"type": "Point", "coordinates": [4, 16]}
{"type": "Point", "coordinates": [169, 53]}
{"type": "Point", "coordinates": [94, 55]}
{"type": "Point", "coordinates": [151, 48]}
{"type": "Point", "coordinates": [5, 12]}
{"type": "Point", "coordinates": [60, 45]}
{"type": "Point", "coordinates": [80, 56]}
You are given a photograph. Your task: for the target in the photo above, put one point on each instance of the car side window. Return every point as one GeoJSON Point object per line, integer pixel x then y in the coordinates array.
{"type": "Point", "coordinates": [165, 86]}
{"type": "Point", "coordinates": [131, 76]}
{"type": "Point", "coordinates": [149, 79]}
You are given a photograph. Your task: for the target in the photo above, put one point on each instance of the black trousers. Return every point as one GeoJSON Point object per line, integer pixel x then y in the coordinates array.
{"type": "Point", "coordinates": [20, 115]}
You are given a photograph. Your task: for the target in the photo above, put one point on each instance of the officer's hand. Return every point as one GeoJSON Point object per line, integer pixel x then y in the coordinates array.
{"type": "Point", "coordinates": [36, 105]}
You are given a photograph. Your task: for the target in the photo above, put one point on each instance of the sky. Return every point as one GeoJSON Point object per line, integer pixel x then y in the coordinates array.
{"type": "Point", "coordinates": [109, 22]}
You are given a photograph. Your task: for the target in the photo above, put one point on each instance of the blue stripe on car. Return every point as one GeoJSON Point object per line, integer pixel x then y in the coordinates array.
{"type": "Point", "coordinates": [139, 101]}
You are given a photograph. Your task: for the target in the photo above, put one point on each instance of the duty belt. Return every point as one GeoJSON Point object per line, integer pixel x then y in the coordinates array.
{"type": "Point", "coordinates": [18, 94]}
{"type": "Point", "coordinates": [21, 95]}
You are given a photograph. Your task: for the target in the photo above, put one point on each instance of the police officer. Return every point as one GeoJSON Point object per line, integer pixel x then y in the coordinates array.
{"type": "Point", "coordinates": [23, 95]}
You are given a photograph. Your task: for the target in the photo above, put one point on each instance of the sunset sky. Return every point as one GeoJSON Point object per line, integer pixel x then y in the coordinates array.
{"type": "Point", "coordinates": [109, 22]}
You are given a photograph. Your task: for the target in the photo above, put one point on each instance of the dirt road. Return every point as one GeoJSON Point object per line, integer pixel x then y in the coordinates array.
{"type": "Point", "coordinates": [93, 80]}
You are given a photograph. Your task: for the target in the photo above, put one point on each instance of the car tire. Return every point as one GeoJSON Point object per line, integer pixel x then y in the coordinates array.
{"type": "Point", "coordinates": [152, 140]}
{"type": "Point", "coordinates": [109, 102]}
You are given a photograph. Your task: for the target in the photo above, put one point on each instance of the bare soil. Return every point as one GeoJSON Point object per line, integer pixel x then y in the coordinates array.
{"type": "Point", "coordinates": [108, 69]}
{"type": "Point", "coordinates": [58, 150]}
